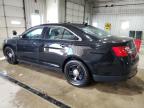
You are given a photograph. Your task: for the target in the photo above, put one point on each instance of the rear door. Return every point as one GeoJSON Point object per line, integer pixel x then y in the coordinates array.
{"type": "Point", "coordinates": [56, 45]}
{"type": "Point", "coordinates": [28, 45]}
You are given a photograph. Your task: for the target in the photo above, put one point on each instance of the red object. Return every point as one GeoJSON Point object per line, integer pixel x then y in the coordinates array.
{"type": "Point", "coordinates": [138, 44]}
{"type": "Point", "coordinates": [120, 51]}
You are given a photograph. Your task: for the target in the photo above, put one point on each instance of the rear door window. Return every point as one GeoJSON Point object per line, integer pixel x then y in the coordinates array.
{"type": "Point", "coordinates": [54, 33]}
{"type": "Point", "coordinates": [59, 33]}
{"type": "Point", "coordinates": [67, 35]}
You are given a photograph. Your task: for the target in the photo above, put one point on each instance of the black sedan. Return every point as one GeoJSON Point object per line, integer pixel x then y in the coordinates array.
{"type": "Point", "coordinates": [82, 52]}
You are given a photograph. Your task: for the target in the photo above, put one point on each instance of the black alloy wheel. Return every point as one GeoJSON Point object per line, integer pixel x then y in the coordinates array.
{"type": "Point", "coordinates": [10, 55]}
{"type": "Point", "coordinates": [76, 73]}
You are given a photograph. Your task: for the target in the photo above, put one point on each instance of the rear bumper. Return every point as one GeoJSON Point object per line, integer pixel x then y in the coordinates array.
{"type": "Point", "coordinates": [102, 78]}
{"type": "Point", "coordinates": [119, 69]}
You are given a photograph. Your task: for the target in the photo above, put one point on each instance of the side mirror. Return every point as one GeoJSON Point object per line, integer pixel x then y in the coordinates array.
{"type": "Point", "coordinates": [14, 32]}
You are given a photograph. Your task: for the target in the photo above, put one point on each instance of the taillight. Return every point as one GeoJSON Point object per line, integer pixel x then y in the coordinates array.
{"type": "Point", "coordinates": [120, 51]}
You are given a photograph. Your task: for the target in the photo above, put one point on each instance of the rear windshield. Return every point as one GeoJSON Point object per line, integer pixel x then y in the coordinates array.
{"type": "Point", "coordinates": [96, 32]}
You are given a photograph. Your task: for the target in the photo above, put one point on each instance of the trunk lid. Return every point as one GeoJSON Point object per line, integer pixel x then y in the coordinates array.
{"type": "Point", "coordinates": [115, 41]}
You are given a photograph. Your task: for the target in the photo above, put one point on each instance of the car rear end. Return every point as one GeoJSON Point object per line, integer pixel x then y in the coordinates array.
{"type": "Point", "coordinates": [111, 58]}
{"type": "Point", "coordinates": [118, 63]}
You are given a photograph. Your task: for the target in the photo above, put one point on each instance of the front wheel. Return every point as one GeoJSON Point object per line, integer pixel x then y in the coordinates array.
{"type": "Point", "coordinates": [76, 73]}
{"type": "Point", "coordinates": [10, 55]}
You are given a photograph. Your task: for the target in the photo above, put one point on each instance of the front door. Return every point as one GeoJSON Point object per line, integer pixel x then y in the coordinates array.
{"type": "Point", "coordinates": [28, 45]}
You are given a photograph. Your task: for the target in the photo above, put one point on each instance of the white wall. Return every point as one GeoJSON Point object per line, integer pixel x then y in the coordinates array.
{"type": "Point", "coordinates": [88, 13]}
{"type": "Point", "coordinates": [61, 11]}
{"type": "Point", "coordinates": [135, 23]}
{"type": "Point", "coordinates": [74, 12]}
{"type": "Point", "coordinates": [52, 11]}
{"type": "Point", "coordinates": [55, 11]}
{"type": "Point", "coordinates": [14, 13]}
{"type": "Point", "coordinates": [116, 15]}
{"type": "Point", "coordinates": [31, 6]}
{"type": "Point", "coordinates": [71, 11]}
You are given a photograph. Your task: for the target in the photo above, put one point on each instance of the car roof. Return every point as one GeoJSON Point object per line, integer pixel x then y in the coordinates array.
{"type": "Point", "coordinates": [72, 26]}
{"type": "Point", "coordinates": [66, 24]}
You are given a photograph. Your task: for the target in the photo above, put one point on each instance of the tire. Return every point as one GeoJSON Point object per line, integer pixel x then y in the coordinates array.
{"type": "Point", "coordinates": [77, 73]}
{"type": "Point", "coordinates": [10, 55]}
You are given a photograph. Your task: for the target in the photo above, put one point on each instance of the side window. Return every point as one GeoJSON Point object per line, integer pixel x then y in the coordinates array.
{"type": "Point", "coordinates": [55, 33]}
{"type": "Point", "coordinates": [67, 35]}
{"type": "Point", "coordinates": [35, 34]}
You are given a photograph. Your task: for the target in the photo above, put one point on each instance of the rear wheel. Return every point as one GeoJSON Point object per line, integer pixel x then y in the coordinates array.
{"type": "Point", "coordinates": [10, 55]}
{"type": "Point", "coordinates": [76, 73]}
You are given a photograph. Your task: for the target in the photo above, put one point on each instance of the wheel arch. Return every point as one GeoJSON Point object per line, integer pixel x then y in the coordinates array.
{"type": "Point", "coordinates": [8, 45]}
{"type": "Point", "coordinates": [75, 58]}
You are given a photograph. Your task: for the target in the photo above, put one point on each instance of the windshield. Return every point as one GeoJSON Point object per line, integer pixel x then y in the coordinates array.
{"type": "Point", "coordinates": [96, 32]}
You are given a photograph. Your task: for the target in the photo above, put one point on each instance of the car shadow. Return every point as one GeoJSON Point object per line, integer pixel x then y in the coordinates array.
{"type": "Point", "coordinates": [44, 70]}
{"type": "Point", "coordinates": [132, 86]}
